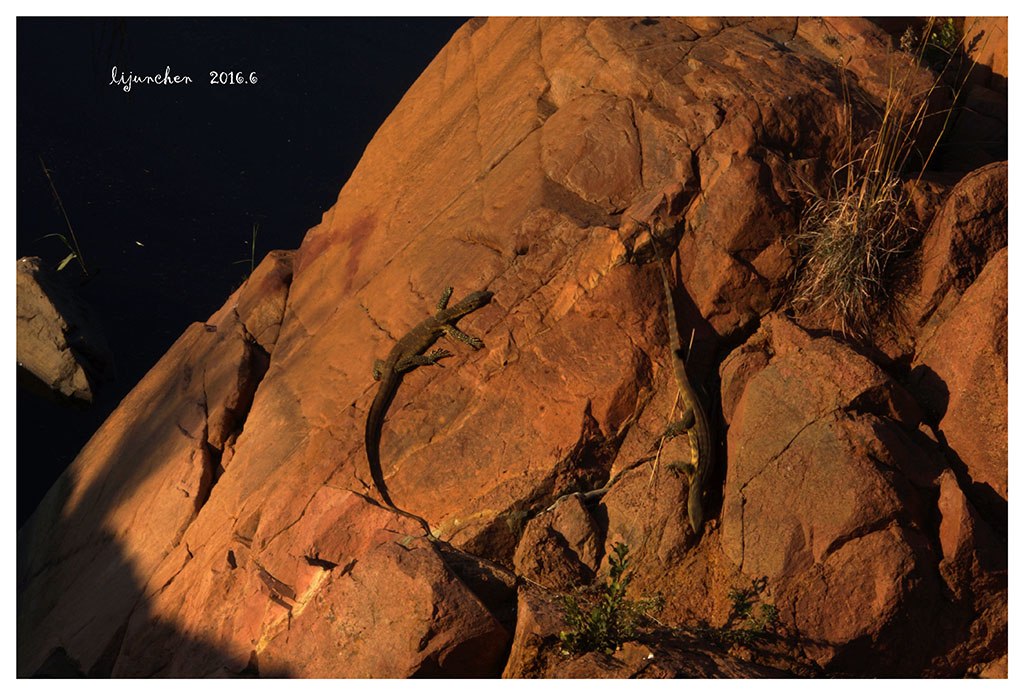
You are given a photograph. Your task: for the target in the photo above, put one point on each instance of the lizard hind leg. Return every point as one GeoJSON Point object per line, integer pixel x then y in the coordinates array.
{"type": "Point", "coordinates": [378, 369]}
{"type": "Point", "coordinates": [683, 467]}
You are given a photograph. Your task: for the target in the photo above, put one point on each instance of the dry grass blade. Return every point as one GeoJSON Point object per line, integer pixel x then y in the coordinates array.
{"type": "Point", "coordinates": [847, 243]}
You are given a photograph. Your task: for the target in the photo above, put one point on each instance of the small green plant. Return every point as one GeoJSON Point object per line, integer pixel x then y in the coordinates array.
{"type": "Point", "coordinates": [743, 608]}
{"type": "Point", "coordinates": [72, 254]}
{"type": "Point", "coordinates": [935, 43]}
{"type": "Point", "coordinates": [613, 618]}
{"type": "Point", "coordinates": [745, 625]}
{"type": "Point", "coordinates": [768, 617]}
{"type": "Point", "coordinates": [74, 251]}
{"type": "Point", "coordinates": [944, 35]}
{"type": "Point", "coordinates": [741, 601]}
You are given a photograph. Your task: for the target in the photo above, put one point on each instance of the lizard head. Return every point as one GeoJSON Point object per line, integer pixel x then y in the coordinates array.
{"type": "Point", "coordinates": [478, 299]}
{"type": "Point", "coordinates": [468, 304]}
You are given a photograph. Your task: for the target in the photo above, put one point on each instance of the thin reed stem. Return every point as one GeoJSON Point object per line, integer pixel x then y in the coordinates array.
{"type": "Point", "coordinates": [74, 240]}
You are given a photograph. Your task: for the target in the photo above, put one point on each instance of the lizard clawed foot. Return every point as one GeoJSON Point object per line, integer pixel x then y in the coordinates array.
{"type": "Point", "coordinates": [409, 363]}
{"type": "Point", "coordinates": [438, 353]}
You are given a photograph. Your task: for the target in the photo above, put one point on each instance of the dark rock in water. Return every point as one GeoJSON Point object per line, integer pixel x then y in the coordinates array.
{"type": "Point", "coordinates": [60, 348]}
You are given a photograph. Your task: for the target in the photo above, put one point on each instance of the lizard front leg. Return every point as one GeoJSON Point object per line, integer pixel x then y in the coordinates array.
{"type": "Point", "coordinates": [410, 362]}
{"type": "Point", "coordinates": [453, 332]}
{"type": "Point", "coordinates": [683, 424]}
{"type": "Point", "coordinates": [442, 303]}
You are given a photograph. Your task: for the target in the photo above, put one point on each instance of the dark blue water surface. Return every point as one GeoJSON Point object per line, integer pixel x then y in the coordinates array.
{"type": "Point", "coordinates": [164, 184]}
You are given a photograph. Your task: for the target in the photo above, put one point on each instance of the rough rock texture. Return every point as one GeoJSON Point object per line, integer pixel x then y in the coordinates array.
{"type": "Point", "coordinates": [845, 571]}
{"type": "Point", "coordinates": [561, 549]}
{"type": "Point", "coordinates": [58, 342]}
{"type": "Point", "coordinates": [221, 522]}
{"type": "Point", "coordinates": [331, 582]}
{"type": "Point", "coordinates": [960, 375]}
{"type": "Point", "coordinates": [119, 514]}
{"type": "Point", "coordinates": [968, 229]}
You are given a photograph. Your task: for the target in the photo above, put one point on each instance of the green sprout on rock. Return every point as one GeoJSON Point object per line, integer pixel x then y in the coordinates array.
{"type": "Point", "coordinates": [612, 619]}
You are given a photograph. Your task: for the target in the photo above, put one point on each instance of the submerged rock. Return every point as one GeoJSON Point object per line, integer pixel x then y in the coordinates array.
{"type": "Point", "coordinates": [59, 343]}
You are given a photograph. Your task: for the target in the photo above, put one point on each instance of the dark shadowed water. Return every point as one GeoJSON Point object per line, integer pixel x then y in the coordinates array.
{"type": "Point", "coordinates": [163, 184]}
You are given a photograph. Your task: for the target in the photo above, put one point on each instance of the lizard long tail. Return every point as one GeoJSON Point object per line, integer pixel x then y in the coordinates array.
{"type": "Point", "coordinates": [374, 425]}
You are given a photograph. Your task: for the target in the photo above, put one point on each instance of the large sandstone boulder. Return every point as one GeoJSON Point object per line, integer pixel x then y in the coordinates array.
{"type": "Point", "coordinates": [823, 498]}
{"type": "Point", "coordinates": [223, 520]}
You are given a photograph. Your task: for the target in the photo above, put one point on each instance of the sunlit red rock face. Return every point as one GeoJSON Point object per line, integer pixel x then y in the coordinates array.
{"type": "Point", "coordinates": [222, 521]}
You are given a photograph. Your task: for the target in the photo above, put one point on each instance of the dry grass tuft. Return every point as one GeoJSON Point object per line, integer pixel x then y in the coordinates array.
{"type": "Point", "coordinates": [851, 238]}
{"type": "Point", "coordinates": [847, 244]}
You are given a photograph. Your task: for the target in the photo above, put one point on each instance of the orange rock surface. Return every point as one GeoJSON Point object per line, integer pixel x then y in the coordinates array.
{"type": "Point", "coordinates": [223, 520]}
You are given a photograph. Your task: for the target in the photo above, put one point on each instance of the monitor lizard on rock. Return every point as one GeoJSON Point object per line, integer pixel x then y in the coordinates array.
{"type": "Point", "coordinates": [405, 356]}
{"type": "Point", "coordinates": [693, 421]}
